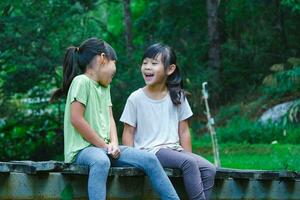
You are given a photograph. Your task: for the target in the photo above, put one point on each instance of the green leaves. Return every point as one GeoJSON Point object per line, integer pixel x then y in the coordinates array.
{"type": "Point", "coordinates": [293, 114]}
{"type": "Point", "coordinates": [35, 34]}
{"type": "Point", "coordinates": [293, 4]}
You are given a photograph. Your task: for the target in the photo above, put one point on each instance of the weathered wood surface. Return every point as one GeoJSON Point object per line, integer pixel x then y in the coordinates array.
{"type": "Point", "coordinates": [31, 167]}
{"type": "Point", "coordinates": [224, 173]}
{"type": "Point", "coordinates": [54, 179]}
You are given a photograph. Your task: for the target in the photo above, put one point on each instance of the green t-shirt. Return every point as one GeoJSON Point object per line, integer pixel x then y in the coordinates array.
{"type": "Point", "coordinates": [97, 101]}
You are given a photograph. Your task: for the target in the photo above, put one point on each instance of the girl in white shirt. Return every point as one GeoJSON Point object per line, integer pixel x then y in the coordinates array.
{"type": "Point", "coordinates": [155, 120]}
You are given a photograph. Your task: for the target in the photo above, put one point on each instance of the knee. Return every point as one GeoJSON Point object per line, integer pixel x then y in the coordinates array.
{"type": "Point", "coordinates": [101, 164]}
{"type": "Point", "coordinates": [151, 159]}
{"type": "Point", "coordinates": [212, 170]}
{"type": "Point", "coordinates": [189, 162]}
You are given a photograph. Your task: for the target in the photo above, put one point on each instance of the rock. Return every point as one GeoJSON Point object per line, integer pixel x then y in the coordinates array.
{"type": "Point", "coordinates": [275, 113]}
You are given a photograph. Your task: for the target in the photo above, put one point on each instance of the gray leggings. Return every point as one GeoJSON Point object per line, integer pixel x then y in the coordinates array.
{"type": "Point", "coordinates": [198, 173]}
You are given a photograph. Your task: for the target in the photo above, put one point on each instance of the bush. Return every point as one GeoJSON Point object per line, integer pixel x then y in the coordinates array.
{"type": "Point", "coordinates": [31, 138]}
{"type": "Point", "coordinates": [243, 130]}
{"type": "Point", "coordinates": [286, 82]}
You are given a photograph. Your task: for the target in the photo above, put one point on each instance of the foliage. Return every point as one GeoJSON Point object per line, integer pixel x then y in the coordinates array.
{"type": "Point", "coordinates": [238, 122]}
{"type": "Point", "coordinates": [293, 113]}
{"type": "Point", "coordinates": [34, 35]}
{"type": "Point", "coordinates": [22, 139]}
{"type": "Point", "coordinates": [242, 130]}
{"type": "Point", "coordinates": [32, 47]}
{"type": "Point", "coordinates": [252, 156]}
{"type": "Point", "coordinates": [294, 4]}
{"type": "Point", "coordinates": [286, 82]}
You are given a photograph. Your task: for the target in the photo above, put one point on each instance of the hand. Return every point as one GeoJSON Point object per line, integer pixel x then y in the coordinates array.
{"type": "Point", "coordinates": [113, 150]}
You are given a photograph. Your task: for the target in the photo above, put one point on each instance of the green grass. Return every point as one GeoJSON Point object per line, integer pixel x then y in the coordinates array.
{"type": "Point", "coordinates": [252, 156]}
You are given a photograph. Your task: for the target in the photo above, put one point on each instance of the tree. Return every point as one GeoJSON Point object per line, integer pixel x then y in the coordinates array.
{"type": "Point", "coordinates": [34, 37]}
{"type": "Point", "coordinates": [214, 61]}
{"type": "Point", "coordinates": [127, 23]}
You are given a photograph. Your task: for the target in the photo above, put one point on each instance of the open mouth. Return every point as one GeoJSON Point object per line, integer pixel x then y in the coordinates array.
{"type": "Point", "coordinates": [149, 75]}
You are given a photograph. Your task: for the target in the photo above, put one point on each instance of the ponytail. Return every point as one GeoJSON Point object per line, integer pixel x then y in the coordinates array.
{"type": "Point", "coordinates": [174, 85]}
{"type": "Point", "coordinates": [77, 59]}
{"type": "Point", "coordinates": [70, 70]}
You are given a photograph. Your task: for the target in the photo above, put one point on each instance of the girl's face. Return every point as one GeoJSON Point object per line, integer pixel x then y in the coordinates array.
{"type": "Point", "coordinates": [106, 71]}
{"type": "Point", "coordinates": [153, 71]}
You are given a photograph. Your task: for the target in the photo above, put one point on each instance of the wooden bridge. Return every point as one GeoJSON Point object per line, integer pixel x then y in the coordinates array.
{"type": "Point", "coordinates": [57, 180]}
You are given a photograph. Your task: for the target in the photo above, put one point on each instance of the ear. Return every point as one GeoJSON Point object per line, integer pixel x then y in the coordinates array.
{"type": "Point", "coordinates": [171, 69]}
{"type": "Point", "coordinates": [102, 58]}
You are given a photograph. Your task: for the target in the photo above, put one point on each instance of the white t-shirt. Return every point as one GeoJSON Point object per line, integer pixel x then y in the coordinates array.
{"type": "Point", "coordinates": [155, 121]}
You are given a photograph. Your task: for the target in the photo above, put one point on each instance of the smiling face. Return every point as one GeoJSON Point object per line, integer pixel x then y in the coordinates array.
{"type": "Point", "coordinates": [153, 71]}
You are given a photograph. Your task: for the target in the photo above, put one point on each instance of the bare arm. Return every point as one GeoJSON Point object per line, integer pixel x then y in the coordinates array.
{"type": "Point", "coordinates": [128, 135]}
{"type": "Point", "coordinates": [184, 135]}
{"type": "Point", "coordinates": [113, 147]}
{"type": "Point", "coordinates": [82, 126]}
{"type": "Point", "coordinates": [113, 129]}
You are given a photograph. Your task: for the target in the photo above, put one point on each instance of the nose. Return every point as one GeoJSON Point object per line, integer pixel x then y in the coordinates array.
{"type": "Point", "coordinates": [114, 70]}
{"type": "Point", "coordinates": [147, 66]}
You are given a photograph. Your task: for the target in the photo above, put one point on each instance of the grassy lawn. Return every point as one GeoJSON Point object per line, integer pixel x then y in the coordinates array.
{"type": "Point", "coordinates": [252, 156]}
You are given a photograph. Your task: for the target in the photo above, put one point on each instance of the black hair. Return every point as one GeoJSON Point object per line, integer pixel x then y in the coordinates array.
{"type": "Point", "coordinates": [168, 57]}
{"type": "Point", "coordinates": [77, 59]}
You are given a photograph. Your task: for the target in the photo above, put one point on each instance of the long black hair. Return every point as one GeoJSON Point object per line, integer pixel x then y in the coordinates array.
{"type": "Point", "coordinates": [168, 57]}
{"type": "Point", "coordinates": [77, 59]}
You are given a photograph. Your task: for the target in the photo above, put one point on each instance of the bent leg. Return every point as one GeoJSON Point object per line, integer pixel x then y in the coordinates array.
{"type": "Point", "coordinates": [207, 171]}
{"type": "Point", "coordinates": [150, 165]}
{"type": "Point", "coordinates": [190, 171]}
{"type": "Point", "coordinates": [99, 164]}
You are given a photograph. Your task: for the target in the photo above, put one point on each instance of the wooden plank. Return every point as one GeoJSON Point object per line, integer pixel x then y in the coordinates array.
{"type": "Point", "coordinates": [4, 168]}
{"type": "Point", "coordinates": [289, 175]}
{"type": "Point", "coordinates": [75, 169]}
{"type": "Point", "coordinates": [42, 166]}
{"type": "Point", "coordinates": [32, 167]}
{"type": "Point", "coordinates": [224, 173]}
{"type": "Point", "coordinates": [67, 168]}
{"type": "Point", "coordinates": [125, 171]}
{"type": "Point", "coordinates": [17, 167]}
{"type": "Point", "coordinates": [173, 172]}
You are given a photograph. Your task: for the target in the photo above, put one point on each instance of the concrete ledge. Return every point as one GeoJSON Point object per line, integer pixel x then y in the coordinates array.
{"type": "Point", "coordinates": [58, 180]}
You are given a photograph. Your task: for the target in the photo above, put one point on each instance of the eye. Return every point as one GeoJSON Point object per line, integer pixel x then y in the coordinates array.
{"type": "Point", "coordinates": [144, 63]}
{"type": "Point", "coordinates": [154, 63]}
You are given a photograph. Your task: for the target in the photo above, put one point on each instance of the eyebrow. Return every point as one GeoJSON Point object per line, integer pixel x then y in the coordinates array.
{"type": "Point", "coordinates": [147, 58]}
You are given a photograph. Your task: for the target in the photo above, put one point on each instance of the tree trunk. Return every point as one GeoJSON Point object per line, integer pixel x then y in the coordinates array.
{"type": "Point", "coordinates": [214, 49]}
{"type": "Point", "coordinates": [280, 24]}
{"type": "Point", "coordinates": [213, 37]}
{"type": "Point", "coordinates": [127, 23]}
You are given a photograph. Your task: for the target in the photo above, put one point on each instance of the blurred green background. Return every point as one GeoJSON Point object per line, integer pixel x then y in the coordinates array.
{"type": "Point", "coordinates": [247, 50]}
